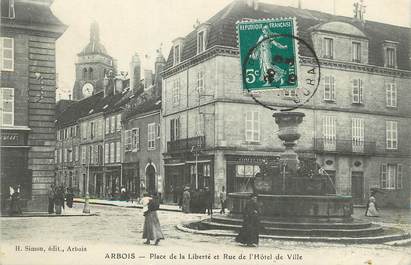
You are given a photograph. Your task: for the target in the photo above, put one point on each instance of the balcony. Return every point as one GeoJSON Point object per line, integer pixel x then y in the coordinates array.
{"type": "Point", "coordinates": [323, 145]}
{"type": "Point", "coordinates": [185, 145]}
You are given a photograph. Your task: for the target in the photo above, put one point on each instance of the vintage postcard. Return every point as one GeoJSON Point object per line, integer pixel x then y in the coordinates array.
{"type": "Point", "coordinates": [205, 132]}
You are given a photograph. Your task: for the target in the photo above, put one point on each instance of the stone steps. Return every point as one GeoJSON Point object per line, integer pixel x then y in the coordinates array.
{"type": "Point", "coordinates": [296, 223]}
{"type": "Point", "coordinates": [301, 231]}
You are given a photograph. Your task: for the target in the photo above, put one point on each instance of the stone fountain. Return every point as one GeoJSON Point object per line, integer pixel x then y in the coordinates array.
{"type": "Point", "coordinates": [295, 206]}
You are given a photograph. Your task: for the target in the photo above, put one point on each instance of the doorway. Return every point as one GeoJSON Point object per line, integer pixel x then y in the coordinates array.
{"type": "Point", "coordinates": [357, 187]}
{"type": "Point", "coordinates": [151, 179]}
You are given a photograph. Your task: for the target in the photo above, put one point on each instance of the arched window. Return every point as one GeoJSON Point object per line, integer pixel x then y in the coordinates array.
{"type": "Point", "coordinates": [84, 73]}
{"type": "Point", "coordinates": [90, 73]}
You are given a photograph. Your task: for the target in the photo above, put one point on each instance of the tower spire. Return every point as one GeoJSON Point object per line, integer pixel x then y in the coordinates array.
{"type": "Point", "coordinates": [94, 32]}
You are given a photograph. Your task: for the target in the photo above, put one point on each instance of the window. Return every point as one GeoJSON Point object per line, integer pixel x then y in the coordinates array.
{"type": "Point", "coordinates": [92, 130]}
{"type": "Point", "coordinates": [106, 153]}
{"type": "Point", "coordinates": [176, 57]}
{"type": "Point", "coordinates": [65, 155]}
{"type": "Point", "coordinates": [252, 126]}
{"type": "Point", "coordinates": [85, 74]}
{"type": "Point", "coordinates": [247, 171]}
{"type": "Point", "coordinates": [7, 9]}
{"type": "Point", "coordinates": [391, 134]}
{"type": "Point", "coordinates": [158, 130]}
{"type": "Point", "coordinates": [76, 154]}
{"type": "Point", "coordinates": [107, 125]}
{"type": "Point", "coordinates": [91, 154]}
{"type": "Point", "coordinates": [357, 135]}
{"type": "Point", "coordinates": [135, 139]}
{"type": "Point", "coordinates": [83, 155]}
{"type": "Point", "coordinates": [118, 123]}
{"type": "Point", "coordinates": [70, 155]}
{"type": "Point", "coordinates": [60, 155]}
{"type": "Point", "coordinates": [151, 135]}
{"type": "Point", "coordinates": [118, 152]}
{"type": "Point", "coordinates": [391, 95]}
{"type": "Point", "coordinates": [329, 133]}
{"type": "Point", "coordinates": [127, 142]}
{"type": "Point", "coordinates": [328, 48]}
{"type": "Point", "coordinates": [6, 54]}
{"type": "Point", "coordinates": [329, 88]}
{"type": "Point", "coordinates": [200, 81]}
{"type": "Point", "coordinates": [357, 90]}
{"type": "Point", "coordinates": [7, 106]}
{"type": "Point", "coordinates": [391, 176]}
{"type": "Point", "coordinates": [112, 124]}
{"type": "Point", "coordinates": [56, 156]}
{"type": "Point", "coordinates": [174, 129]}
{"type": "Point", "coordinates": [84, 130]}
{"type": "Point", "coordinates": [356, 52]}
{"type": "Point", "coordinates": [112, 152]}
{"type": "Point", "coordinates": [390, 57]}
{"type": "Point", "coordinates": [90, 73]}
{"type": "Point", "coordinates": [200, 42]}
{"type": "Point", "coordinates": [176, 91]}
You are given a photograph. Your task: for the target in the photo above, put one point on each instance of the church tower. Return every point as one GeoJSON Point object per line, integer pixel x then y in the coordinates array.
{"type": "Point", "coordinates": [135, 73]}
{"type": "Point", "coordinates": [93, 63]}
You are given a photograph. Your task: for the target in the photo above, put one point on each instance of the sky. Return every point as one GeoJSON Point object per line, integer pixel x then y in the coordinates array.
{"type": "Point", "coordinates": [143, 26]}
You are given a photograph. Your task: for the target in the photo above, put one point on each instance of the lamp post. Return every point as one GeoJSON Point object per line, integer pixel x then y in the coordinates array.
{"type": "Point", "coordinates": [86, 208]}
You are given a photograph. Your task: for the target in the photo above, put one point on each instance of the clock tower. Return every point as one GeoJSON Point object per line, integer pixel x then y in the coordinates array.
{"type": "Point", "coordinates": [93, 63]}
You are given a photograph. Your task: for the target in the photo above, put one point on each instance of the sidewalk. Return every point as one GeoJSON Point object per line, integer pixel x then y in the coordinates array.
{"type": "Point", "coordinates": [67, 212]}
{"type": "Point", "coordinates": [129, 204]}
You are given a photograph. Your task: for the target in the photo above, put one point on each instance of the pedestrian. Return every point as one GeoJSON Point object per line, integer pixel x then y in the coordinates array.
{"type": "Point", "coordinates": [51, 194]}
{"type": "Point", "coordinates": [59, 199]}
{"type": "Point", "coordinates": [209, 201]}
{"type": "Point", "coordinates": [152, 230]}
{"type": "Point", "coordinates": [250, 230]}
{"type": "Point", "coordinates": [223, 198]}
{"type": "Point", "coordinates": [15, 207]}
{"type": "Point", "coordinates": [69, 197]}
{"type": "Point", "coordinates": [372, 207]}
{"type": "Point", "coordinates": [186, 200]}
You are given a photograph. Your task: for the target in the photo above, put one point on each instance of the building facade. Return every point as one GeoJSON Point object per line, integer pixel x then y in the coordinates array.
{"type": "Point", "coordinates": [355, 125]}
{"type": "Point", "coordinates": [29, 31]}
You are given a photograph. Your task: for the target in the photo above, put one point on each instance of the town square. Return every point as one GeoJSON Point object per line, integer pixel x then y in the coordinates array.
{"type": "Point", "coordinates": [222, 132]}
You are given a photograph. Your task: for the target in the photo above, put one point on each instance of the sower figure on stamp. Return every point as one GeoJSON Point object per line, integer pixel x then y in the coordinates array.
{"type": "Point", "coordinates": [152, 229]}
{"type": "Point", "coordinates": [268, 71]}
{"type": "Point", "coordinates": [250, 230]}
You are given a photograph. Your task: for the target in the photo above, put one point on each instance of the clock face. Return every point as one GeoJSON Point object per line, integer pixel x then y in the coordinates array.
{"type": "Point", "coordinates": [88, 89]}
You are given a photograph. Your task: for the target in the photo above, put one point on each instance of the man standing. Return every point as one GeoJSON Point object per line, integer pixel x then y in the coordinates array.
{"type": "Point", "coordinates": [223, 198]}
{"type": "Point", "coordinates": [209, 201]}
{"type": "Point", "coordinates": [250, 231]}
{"type": "Point", "coordinates": [185, 206]}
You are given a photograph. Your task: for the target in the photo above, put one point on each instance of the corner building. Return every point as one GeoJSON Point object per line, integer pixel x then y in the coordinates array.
{"type": "Point", "coordinates": [29, 31]}
{"type": "Point", "coordinates": [356, 125]}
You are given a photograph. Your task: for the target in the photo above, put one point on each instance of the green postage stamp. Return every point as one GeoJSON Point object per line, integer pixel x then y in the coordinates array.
{"type": "Point", "coordinates": [268, 54]}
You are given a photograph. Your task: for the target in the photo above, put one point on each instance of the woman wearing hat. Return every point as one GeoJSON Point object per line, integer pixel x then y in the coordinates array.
{"type": "Point", "coordinates": [186, 200]}
{"type": "Point", "coordinates": [251, 223]}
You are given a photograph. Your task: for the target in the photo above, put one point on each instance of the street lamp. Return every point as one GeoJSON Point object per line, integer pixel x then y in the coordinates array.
{"type": "Point", "coordinates": [86, 208]}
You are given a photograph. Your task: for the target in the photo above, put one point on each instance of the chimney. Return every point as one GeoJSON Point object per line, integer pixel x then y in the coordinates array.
{"type": "Point", "coordinates": [252, 3]}
{"type": "Point", "coordinates": [148, 79]}
{"type": "Point", "coordinates": [359, 11]}
{"type": "Point", "coordinates": [135, 73]}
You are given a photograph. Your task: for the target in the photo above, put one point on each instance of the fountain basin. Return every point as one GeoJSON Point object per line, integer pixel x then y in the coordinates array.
{"type": "Point", "coordinates": [313, 207]}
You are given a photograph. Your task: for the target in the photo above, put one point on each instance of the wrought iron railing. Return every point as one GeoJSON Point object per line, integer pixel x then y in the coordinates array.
{"type": "Point", "coordinates": [344, 146]}
{"type": "Point", "coordinates": [187, 144]}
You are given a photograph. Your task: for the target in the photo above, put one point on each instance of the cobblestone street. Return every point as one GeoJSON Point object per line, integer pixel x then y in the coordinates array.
{"type": "Point", "coordinates": [119, 229]}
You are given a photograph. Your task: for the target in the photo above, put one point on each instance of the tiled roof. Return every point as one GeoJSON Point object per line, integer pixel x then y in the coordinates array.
{"type": "Point", "coordinates": [145, 102]}
{"type": "Point", "coordinates": [29, 13]}
{"type": "Point", "coordinates": [88, 106]}
{"type": "Point", "coordinates": [222, 30]}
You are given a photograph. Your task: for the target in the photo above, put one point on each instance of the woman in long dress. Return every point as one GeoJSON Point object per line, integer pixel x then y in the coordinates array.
{"type": "Point", "coordinates": [372, 208]}
{"type": "Point", "coordinates": [152, 230]}
{"type": "Point", "coordinates": [186, 200]}
{"type": "Point", "coordinates": [250, 231]}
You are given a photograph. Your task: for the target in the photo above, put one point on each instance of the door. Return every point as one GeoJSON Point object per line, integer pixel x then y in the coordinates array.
{"type": "Point", "coordinates": [357, 187]}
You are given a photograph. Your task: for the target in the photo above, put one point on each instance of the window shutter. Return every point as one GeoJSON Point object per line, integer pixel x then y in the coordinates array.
{"type": "Point", "coordinates": [399, 176]}
{"type": "Point", "coordinates": [383, 179]}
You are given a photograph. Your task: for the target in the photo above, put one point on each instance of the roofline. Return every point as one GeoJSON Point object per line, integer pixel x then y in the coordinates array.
{"type": "Point", "coordinates": [60, 29]}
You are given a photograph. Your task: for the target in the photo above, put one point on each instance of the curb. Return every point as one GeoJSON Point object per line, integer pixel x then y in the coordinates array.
{"type": "Point", "coordinates": [125, 206]}
{"type": "Point", "coordinates": [396, 241]}
{"type": "Point", "coordinates": [49, 215]}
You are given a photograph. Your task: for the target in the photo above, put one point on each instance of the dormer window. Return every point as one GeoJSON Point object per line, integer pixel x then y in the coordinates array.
{"type": "Point", "coordinates": [356, 52]}
{"type": "Point", "coordinates": [177, 55]}
{"type": "Point", "coordinates": [200, 41]}
{"type": "Point", "coordinates": [390, 54]}
{"type": "Point", "coordinates": [7, 9]}
{"type": "Point", "coordinates": [328, 48]}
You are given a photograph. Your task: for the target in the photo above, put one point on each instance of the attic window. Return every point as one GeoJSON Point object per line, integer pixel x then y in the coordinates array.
{"type": "Point", "coordinates": [200, 41]}
{"type": "Point", "coordinates": [105, 106]}
{"type": "Point", "coordinates": [390, 54]}
{"type": "Point", "coordinates": [91, 111]}
{"type": "Point", "coordinates": [177, 54]}
{"type": "Point", "coordinates": [7, 9]}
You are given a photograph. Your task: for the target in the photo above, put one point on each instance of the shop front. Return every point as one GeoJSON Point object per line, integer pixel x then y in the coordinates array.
{"type": "Point", "coordinates": [131, 179]}
{"type": "Point", "coordinates": [112, 181]}
{"type": "Point", "coordinates": [241, 171]}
